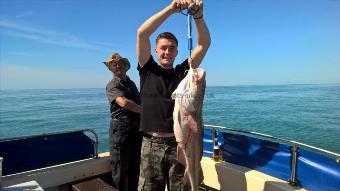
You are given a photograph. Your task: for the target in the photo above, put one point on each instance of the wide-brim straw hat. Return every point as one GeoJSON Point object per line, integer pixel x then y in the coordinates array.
{"type": "Point", "coordinates": [115, 57]}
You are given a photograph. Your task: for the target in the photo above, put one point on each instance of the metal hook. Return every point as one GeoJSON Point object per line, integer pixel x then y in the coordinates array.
{"type": "Point", "coordinates": [186, 11]}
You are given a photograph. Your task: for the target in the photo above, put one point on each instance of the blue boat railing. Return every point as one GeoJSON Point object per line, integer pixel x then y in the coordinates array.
{"type": "Point", "coordinates": [96, 143]}
{"type": "Point", "coordinates": [27, 153]}
{"type": "Point", "coordinates": [238, 143]}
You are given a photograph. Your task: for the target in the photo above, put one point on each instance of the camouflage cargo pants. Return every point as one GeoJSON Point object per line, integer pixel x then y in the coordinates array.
{"type": "Point", "coordinates": [159, 167]}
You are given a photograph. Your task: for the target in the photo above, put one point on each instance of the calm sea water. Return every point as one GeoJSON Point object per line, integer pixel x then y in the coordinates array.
{"type": "Point", "coordinates": [304, 113]}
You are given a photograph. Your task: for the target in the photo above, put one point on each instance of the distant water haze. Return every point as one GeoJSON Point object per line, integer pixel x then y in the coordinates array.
{"type": "Point", "coordinates": [306, 113]}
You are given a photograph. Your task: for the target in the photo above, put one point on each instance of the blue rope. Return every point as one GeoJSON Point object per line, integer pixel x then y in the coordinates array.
{"type": "Point", "coordinates": [189, 14]}
{"type": "Point", "coordinates": [189, 34]}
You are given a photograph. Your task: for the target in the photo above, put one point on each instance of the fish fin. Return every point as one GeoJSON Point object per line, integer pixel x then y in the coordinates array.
{"type": "Point", "coordinates": [181, 157]}
{"type": "Point", "coordinates": [192, 124]}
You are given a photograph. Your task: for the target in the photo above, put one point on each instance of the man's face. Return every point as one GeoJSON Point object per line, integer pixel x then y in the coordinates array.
{"type": "Point", "coordinates": [166, 51]}
{"type": "Point", "coordinates": [118, 68]}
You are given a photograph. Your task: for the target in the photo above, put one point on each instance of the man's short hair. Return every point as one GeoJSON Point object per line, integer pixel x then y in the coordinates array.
{"type": "Point", "coordinates": [167, 35]}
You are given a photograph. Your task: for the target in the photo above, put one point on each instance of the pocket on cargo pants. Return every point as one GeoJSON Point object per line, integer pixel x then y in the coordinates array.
{"type": "Point", "coordinates": [151, 175]}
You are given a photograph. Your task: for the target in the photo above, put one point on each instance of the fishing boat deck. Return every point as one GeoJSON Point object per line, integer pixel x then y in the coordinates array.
{"type": "Point", "coordinates": [217, 176]}
{"type": "Point", "coordinates": [244, 164]}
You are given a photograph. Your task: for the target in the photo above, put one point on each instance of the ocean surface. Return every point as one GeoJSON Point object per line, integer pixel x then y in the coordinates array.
{"type": "Point", "coordinates": [306, 113]}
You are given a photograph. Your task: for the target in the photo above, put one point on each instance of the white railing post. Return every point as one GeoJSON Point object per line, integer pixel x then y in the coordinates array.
{"type": "Point", "coordinates": [294, 150]}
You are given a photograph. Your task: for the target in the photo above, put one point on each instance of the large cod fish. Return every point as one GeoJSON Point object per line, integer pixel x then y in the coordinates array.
{"type": "Point", "coordinates": [188, 125]}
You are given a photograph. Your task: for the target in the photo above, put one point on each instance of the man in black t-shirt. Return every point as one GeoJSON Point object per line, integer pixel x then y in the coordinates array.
{"type": "Point", "coordinates": [125, 138]}
{"type": "Point", "coordinates": [159, 167]}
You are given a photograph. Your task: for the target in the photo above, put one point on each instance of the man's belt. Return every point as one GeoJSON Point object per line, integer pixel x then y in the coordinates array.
{"type": "Point", "coordinates": [159, 139]}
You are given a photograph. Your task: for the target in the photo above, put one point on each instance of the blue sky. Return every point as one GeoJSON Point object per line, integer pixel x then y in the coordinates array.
{"type": "Point", "coordinates": [62, 43]}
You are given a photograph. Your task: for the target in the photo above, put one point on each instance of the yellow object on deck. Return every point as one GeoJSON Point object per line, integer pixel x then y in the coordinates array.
{"type": "Point", "coordinates": [225, 176]}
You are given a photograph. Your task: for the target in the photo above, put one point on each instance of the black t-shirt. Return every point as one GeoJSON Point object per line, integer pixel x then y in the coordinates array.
{"type": "Point", "coordinates": [157, 85]}
{"type": "Point", "coordinates": [120, 88]}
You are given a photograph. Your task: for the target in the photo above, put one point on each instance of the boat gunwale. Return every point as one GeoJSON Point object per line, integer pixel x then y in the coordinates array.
{"type": "Point", "coordinates": [291, 143]}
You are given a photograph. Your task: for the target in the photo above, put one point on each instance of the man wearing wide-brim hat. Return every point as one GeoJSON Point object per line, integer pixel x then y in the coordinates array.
{"type": "Point", "coordinates": [125, 139]}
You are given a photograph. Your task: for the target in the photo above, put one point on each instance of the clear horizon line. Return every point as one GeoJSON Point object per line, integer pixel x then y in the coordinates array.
{"type": "Point", "coordinates": [209, 86]}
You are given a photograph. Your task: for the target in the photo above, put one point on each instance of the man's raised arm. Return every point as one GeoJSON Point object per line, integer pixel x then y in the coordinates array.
{"type": "Point", "coordinates": [143, 47]}
{"type": "Point", "coordinates": [203, 37]}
